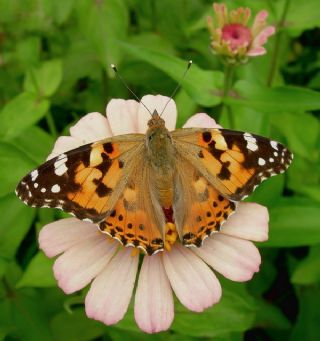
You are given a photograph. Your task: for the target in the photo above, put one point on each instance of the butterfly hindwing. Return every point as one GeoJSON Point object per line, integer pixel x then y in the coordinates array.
{"type": "Point", "coordinates": [137, 218]}
{"type": "Point", "coordinates": [85, 181]}
{"type": "Point", "coordinates": [207, 208]}
{"type": "Point", "coordinates": [233, 162]}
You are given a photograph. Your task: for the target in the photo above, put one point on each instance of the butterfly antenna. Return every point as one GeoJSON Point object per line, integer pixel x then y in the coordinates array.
{"type": "Point", "coordinates": [178, 85]}
{"type": "Point", "coordinates": [114, 68]}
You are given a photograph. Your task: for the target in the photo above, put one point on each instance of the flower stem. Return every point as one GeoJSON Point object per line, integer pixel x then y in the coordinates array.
{"type": "Point", "coordinates": [277, 44]}
{"type": "Point", "coordinates": [228, 81]}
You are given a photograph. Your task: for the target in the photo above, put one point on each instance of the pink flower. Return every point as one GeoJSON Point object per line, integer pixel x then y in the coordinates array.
{"type": "Point", "coordinates": [232, 38]}
{"type": "Point", "coordinates": [85, 255]}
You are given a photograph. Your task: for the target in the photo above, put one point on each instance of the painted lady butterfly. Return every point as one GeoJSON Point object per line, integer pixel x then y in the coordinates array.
{"type": "Point", "coordinates": [125, 183]}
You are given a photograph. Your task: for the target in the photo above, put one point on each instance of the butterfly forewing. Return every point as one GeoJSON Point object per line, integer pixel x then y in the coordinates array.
{"type": "Point", "coordinates": [233, 162]}
{"type": "Point", "coordinates": [85, 181]}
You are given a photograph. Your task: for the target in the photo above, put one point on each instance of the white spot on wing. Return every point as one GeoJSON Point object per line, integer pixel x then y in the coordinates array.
{"type": "Point", "coordinates": [274, 144]}
{"type": "Point", "coordinates": [60, 165]}
{"type": "Point", "coordinates": [261, 161]}
{"type": "Point", "coordinates": [34, 174]}
{"type": "Point", "coordinates": [35, 185]}
{"type": "Point", "coordinates": [55, 188]}
{"type": "Point", "coordinates": [271, 160]}
{"type": "Point", "coordinates": [251, 142]}
{"type": "Point", "coordinates": [43, 190]}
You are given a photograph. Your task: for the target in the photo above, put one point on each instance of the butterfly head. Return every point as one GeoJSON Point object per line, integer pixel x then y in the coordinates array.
{"type": "Point", "coordinates": [156, 121]}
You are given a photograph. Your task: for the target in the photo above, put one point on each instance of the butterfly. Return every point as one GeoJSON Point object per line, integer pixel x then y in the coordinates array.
{"type": "Point", "coordinates": [125, 184]}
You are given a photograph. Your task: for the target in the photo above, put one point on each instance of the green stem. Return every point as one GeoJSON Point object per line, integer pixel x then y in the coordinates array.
{"type": "Point", "coordinates": [51, 125]}
{"type": "Point", "coordinates": [228, 82]}
{"type": "Point", "coordinates": [277, 44]}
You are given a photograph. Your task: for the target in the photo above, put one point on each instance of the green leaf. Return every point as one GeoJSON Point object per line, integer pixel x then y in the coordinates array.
{"type": "Point", "coordinates": [270, 316]}
{"type": "Point", "coordinates": [294, 224]}
{"type": "Point", "coordinates": [262, 281]}
{"type": "Point", "coordinates": [119, 335]}
{"type": "Point", "coordinates": [35, 143]}
{"type": "Point", "coordinates": [28, 51]}
{"type": "Point", "coordinates": [269, 191]}
{"type": "Point", "coordinates": [14, 225]}
{"type": "Point", "coordinates": [28, 317]}
{"type": "Point", "coordinates": [152, 41]}
{"type": "Point", "coordinates": [14, 164]}
{"type": "Point", "coordinates": [203, 86]}
{"type": "Point", "coordinates": [62, 10]}
{"type": "Point", "coordinates": [38, 273]}
{"type": "Point", "coordinates": [301, 141]}
{"type": "Point", "coordinates": [20, 113]}
{"type": "Point", "coordinates": [4, 331]}
{"type": "Point", "coordinates": [186, 107]}
{"type": "Point", "coordinates": [299, 173]}
{"type": "Point", "coordinates": [307, 326]}
{"type": "Point", "coordinates": [76, 326]}
{"type": "Point", "coordinates": [213, 322]}
{"type": "Point", "coordinates": [247, 119]}
{"type": "Point", "coordinates": [103, 23]}
{"type": "Point", "coordinates": [302, 16]}
{"type": "Point", "coordinates": [274, 100]}
{"type": "Point", "coordinates": [307, 271]}
{"type": "Point", "coordinates": [45, 80]}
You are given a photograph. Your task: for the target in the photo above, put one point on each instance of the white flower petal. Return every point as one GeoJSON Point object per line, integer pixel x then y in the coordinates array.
{"type": "Point", "coordinates": [110, 293]}
{"type": "Point", "coordinates": [90, 128]}
{"type": "Point", "coordinates": [250, 221]}
{"type": "Point", "coordinates": [64, 144]}
{"type": "Point", "coordinates": [156, 103]}
{"type": "Point", "coordinates": [153, 308]}
{"type": "Point", "coordinates": [84, 261]}
{"type": "Point", "coordinates": [122, 116]}
{"type": "Point", "coordinates": [201, 120]}
{"type": "Point", "coordinates": [61, 235]}
{"type": "Point", "coordinates": [234, 258]}
{"type": "Point", "coordinates": [193, 282]}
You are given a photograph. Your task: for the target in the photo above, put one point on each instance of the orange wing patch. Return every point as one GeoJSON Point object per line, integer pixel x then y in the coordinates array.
{"type": "Point", "coordinates": [207, 213]}
{"type": "Point", "coordinates": [131, 225]}
{"type": "Point", "coordinates": [234, 162]}
{"type": "Point", "coordinates": [97, 181]}
{"type": "Point", "coordinates": [83, 181]}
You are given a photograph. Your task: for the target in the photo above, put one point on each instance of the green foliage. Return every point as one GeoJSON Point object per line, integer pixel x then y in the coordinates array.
{"type": "Point", "coordinates": [54, 68]}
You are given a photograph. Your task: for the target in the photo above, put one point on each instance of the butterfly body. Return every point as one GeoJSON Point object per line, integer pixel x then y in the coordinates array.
{"type": "Point", "coordinates": [125, 184]}
{"type": "Point", "coordinates": [161, 158]}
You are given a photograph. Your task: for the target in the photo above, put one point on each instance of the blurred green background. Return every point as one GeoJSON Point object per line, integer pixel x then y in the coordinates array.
{"type": "Point", "coordinates": [54, 68]}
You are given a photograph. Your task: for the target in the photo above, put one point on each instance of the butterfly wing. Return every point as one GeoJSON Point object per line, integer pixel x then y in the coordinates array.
{"type": "Point", "coordinates": [137, 218]}
{"type": "Point", "coordinates": [199, 209]}
{"type": "Point", "coordinates": [86, 181]}
{"type": "Point", "coordinates": [215, 169]}
{"type": "Point", "coordinates": [233, 162]}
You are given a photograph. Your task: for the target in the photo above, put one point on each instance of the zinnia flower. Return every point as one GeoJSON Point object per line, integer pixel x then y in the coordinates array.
{"type": "Point", "coordinates": [232, 38]}
{"type": "Point", "coordinates": [85, 255]}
